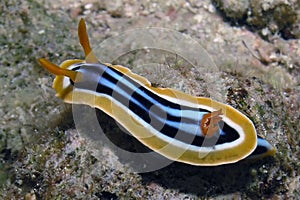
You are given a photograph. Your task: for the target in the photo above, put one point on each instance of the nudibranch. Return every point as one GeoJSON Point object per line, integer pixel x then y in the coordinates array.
{"type": "Point", "coordinates": [184, 128]}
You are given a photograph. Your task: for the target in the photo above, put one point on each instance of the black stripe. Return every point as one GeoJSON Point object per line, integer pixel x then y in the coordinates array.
{"type": "Point", "coordinates": [163, 127]}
